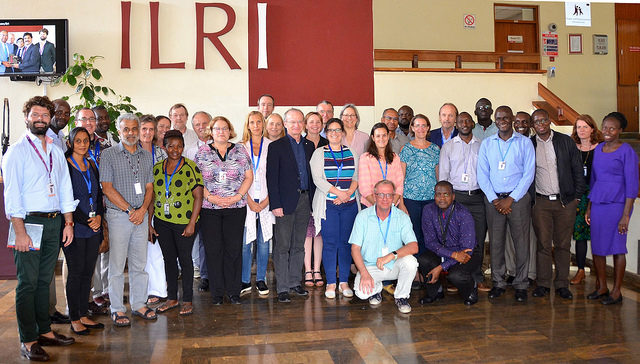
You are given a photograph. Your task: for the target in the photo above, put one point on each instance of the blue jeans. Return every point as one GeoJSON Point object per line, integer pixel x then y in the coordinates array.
{"type": "Point", "coordinates": [262, 256]}
{"type": "Point", "coordinates": [415, 208]}
{"type": "Point", "coordinates": [336, 229]}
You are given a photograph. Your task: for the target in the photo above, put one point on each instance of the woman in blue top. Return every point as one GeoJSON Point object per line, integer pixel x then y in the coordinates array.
{"type": "Point", "coordinates": [335, 206]}
{"type": "Point", "coordinates": [419, 160]}
{"type": "Point", "coordinates": [82, 253]}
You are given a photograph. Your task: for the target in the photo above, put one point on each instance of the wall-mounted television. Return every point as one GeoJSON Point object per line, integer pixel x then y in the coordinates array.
{"type": "Point", "coordinates": [33, 47]}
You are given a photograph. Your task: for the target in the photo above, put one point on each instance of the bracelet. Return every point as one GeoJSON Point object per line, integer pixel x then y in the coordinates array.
{"type": "Point", "coordinates": [68, 223]}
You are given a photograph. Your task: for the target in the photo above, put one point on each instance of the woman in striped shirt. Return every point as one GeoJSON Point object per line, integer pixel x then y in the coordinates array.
{"type": "Point", "coordinates": [335, 205]}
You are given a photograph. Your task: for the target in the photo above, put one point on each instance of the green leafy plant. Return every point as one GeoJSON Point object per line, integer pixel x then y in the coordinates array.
{"type": "Point", "coordinates": [83, 76]}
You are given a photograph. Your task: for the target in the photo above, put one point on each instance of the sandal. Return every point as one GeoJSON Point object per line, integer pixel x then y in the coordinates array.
{"type": "Point", "coordinates": [152, 300]}
{"type": "Point", "coordinates": [166, 307]}
{"type": "Point", "coordinates": [115, 317]}
{"type": "Point", "coordinates": [146, 315]}
{"type": "Point", "coordinates": [187, 309]}
{"type": "Point", "coordinates": [319, 281]}
{"type": "Point", "coordinates": [309, 282]}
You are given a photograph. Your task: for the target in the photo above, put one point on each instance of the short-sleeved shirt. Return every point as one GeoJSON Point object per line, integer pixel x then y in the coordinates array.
{"type": "Point", "coordinates": [343, 158]}
{"type": "Point", "coordinates": [421, 179]}
{"type": "Point", "coordinates": [124, 170]}
{"type": "Point", "coordinates": [223, 176]}
{"type": "Point", "coordinates": [180, 200]}
{"type": "Point", "coordinates": [368, 233]}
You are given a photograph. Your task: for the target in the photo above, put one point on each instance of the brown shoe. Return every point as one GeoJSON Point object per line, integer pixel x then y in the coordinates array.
{"type": "Point", "coordinates": [483, 287]}
{"type": "Point", "coordinates": [579, 277]}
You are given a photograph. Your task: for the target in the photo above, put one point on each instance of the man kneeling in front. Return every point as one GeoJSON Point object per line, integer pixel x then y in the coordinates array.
{"type": "Point", "coordinates": [382, 245]}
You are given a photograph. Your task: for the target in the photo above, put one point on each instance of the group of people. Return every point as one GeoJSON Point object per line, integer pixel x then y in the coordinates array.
{"type": "Point", "coordinates": [401, 207]}
{"type": "Point", "coordinates": [24, 55]}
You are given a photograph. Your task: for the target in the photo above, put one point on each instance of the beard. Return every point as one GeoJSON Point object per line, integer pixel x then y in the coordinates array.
{"type": "Point", "coordinates": [126, 141]}
{"type": "Point", "coordinates": [38, 130]}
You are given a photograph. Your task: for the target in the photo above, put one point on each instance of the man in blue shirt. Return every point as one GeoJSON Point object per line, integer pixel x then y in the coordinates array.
{"type": "Point", "coordinates": [382, 245]}
{"type": "Point", "coordinates": [506, 167]}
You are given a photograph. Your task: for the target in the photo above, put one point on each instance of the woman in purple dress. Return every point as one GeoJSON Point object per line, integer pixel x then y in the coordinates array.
{"type": "Point", "coordinates": [614, 187]}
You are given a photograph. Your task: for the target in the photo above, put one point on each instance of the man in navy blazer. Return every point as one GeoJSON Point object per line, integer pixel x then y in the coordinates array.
{"type": "Point", "coordinates": [290, 194]}
{"type": "Point", "coordinates": [447, 115]}
{"type": "Point", "coordinates": [30, 56]}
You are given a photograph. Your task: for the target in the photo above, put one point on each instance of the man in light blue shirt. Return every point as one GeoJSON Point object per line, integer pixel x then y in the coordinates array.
{"type": "Point", "coordinates": [382, 245]}
{"type": "Point", "coordinates": [506, 167]}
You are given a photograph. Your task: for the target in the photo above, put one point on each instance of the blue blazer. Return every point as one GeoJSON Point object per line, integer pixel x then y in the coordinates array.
{"type": "Point", "coordinates": [436, 136]}
{"type": "Point", "coordinates": [31, 59]}
{"type": "Point", "coordinates": [283, 180]}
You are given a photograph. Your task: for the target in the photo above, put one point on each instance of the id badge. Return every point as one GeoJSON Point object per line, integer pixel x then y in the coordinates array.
{"type": "Point", "coordinates": [465, 178]}
{"type": "Point", "coordinates": [167, 209]}
{"type": "Point", "coordinates": [257, 186]}
{"type": "Point", "coordinates": [553, 198]}
{"type": "Point", "coordinates": [92, 214]}
{"type": "Point", "coordinates": [222, 176]}
{"type": "Point", "coordinates": [385, 251]}
{"type": "Point", "coordinates": [52, 190]}
{"type": "Point", "coordinates": [138, 187]}
{"type": "Point", "coordinates": [584, 169]}
{"type": "Point", "coordinates": [502, 165]}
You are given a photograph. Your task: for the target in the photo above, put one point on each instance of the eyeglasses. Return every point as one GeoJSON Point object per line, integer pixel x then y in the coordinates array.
{"type": "Point", "coordinates": [420, 126]}
{"type": "Point", "coordinates": [348, 115]}
{"type": "Point", "coordinates": [87, 119]}
{"type": "Point", "coordinates": [385, 195]}
{"type": "Point", "coordinates": [35, 115]}
{"type": "Point", "coordinates": [391, 118]}
{"type": "Point", "coordinates": [220, 130]}
{"type": "Point", "coordinates": [336, 130]}
{"type": "Point", "coordinates": [484, 107]}
{"type": "Point", "coordinates": [540, 121]}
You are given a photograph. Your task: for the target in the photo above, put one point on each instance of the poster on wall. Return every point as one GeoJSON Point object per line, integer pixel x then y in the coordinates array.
{"type": "Point", "coordinates": [549, 44]}
{"type": "Point", "coordinates": [577, 13]}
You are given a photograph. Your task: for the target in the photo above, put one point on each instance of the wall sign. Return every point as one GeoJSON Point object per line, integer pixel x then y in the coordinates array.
{"type": "Point", "coordinates": [600, 44]}
{"type": "Point", "coordinates": [514, 39]}
{"type": "Point", "coordinates": [549, 44]}
{"type": "Point", "coordinates": [575, 43]}
{"type": "Point", "coordinates": [469, 21]}
{"type": "Point", "coordinates": [577, 13]}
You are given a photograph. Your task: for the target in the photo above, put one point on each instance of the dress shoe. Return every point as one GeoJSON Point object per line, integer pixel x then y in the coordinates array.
{"type": "Point", "coordinates": [521, 295]}
{"type": "Point", "coordinates": [36, 353]}
{"type": "Point", "coordinates": [283, 297]}
{"type": "Point", "coordinates": [608, 300]}
{"type": "Point", "coordinates": [204, 285]}
{"type": "Point", "coordinates": [496, 292]}
{"type": "Point", "coordinates": [596, 296]}
{"type": "Point", "coordinates": [483, 287]}
{"type": "Point", "coordinates": [97, 325]}
{"type": "Point", "coordinates": [510, 279]}
{"type": "Point", "coordinates": [95, 309]}
{"type": "Point", "coordinates": [86, 331]}
{"type": "Point", "coordinates": [578, 278]}
{"type": "Point", "coordinates": [217, 300]}
{"type": "Point", "coordinates": [540, 291]}
{"type": "Point", "coordinates": [58, 318]}
{"type": "Point", "coordinates": [58, 340]}
{"type": "Point", "coordinates": [473, 297]}
{"type": "Point", "coordinates": [299, 291]}
{"type": "Point", "coordinates": [427, 299]}
{"type": "Point", "coordinates": [564, 293]}
{"type": "Point", "coordinates": [235, 300]}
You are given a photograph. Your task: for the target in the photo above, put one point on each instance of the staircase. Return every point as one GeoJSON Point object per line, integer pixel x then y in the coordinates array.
{"type": "Point", "coordinates": [559, 112]}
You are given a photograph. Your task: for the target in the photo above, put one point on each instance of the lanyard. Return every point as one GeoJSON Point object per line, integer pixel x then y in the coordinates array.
{"type": "Point", "coordinates": [386, 234]}
{"type": "Point", "coordinates": [135, 171]}
{"type": "Point", "coordinates": [168, 183]}
{"type": "Point", "coordinates": [255, 163]}
{"type": "Point", "coordinates": [153, 153]}
{"type": "Point", "coordinates": [341, 162]}
{"type": "Point", "coordinates": [50, 168]}
{"type": "Point", "coordinates": [87, 179]}
{"type": "Point", "coordinates": [443, 230]}
{"type": "Point", "coordinates": [504, 156]}
{"type": "Point", "coordinates": [384, 173]}
{"type": "Point", "coordinates": [96, 155]}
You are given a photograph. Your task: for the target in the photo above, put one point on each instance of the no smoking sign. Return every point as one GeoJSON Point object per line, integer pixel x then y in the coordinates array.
{"type": "Point", "coordinates": [469, 21]}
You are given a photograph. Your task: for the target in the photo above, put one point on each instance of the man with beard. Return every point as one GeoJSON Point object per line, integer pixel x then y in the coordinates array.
{"type": "Point", "coordinates": [36, 198]}
{"type": "Point", "coordinates": [103, 123]}
{"type": "Point", "coordinates": [485, 126]}
{"type": "Point", "coordinates": [458, 161]}
{"type": "Point", "coordinates": [127, 181]}
{"type": "Point", "coordinates": [47, 51]}
{"type": "Point", "coordinates": [405, 113]}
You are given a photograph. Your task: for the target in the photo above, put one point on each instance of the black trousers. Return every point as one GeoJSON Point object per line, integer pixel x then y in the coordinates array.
{"type": "Point", "coordinates": [475, 205]}
{"type": "Point", "coordinates": [176, 247]}
{"type": "Point", "coordinates": [221, 231]}
{"type": "Point", "coordinates": [81, 257]}
{"type": "Point", "coordinates": [460, 275]}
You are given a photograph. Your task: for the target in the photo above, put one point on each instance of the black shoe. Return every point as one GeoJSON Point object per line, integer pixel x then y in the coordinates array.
{"type": "Point", "coordinates": [521, 295]}
{"type": "Point", "coordinates": [98, 325]}
{"type": "Point", "coordinates": [58, 318]}
{"type": "Point", "coordinates": [608, 300]}
{"type": "Point", "coordinates": [510, 279]}
{"type": "Point", "coordinates": [541, 291]}
{"type": "Point", "coordinates": [36, 353]}
{"type": "Point", "coordinates": [596, 296]}
{"type": "Point", "coordinates": [263, 290]}
{"type": "Point", "coordinates": [473, 297]}
{"type": "Point", "coordinates": [564, 293]}
{"type": "Point", "coordinates": [96, 309]}
{"type": "Point", "coordinates": [204, 285]}
{"type": "Point", "coordinates": [86, 331]}
{"type": "Point", "coordinates": [235, 300]}
{"type": "Point", "coordinates": [58, 340]}
{"type": "Point", "coordinates": [426, 299]}
{"type": "Point", "coordinates": [246, 288]}
{"type": "Point", "coordinates": [299, 291]}
{"type": "Point", "coordinates": [217, 300]}
{"type": "Point", "coordinates": [532, 282]}
{"type": "Point", "coordinates": [283, 297]}
{"type": "Point", "coordinates": [415, 285]}
{"type": "Point", "coordinates": [496, 292]}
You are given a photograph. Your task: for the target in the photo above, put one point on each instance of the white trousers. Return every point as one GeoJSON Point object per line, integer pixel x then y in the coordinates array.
{"type": "Point", "coordinates": [404, 270]}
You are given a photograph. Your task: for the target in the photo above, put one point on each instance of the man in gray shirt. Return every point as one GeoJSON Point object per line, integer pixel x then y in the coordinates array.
{"type": "Point", "coordinates": [127, 182]}
{"type": "Point", "coordinates": [485, 126]}
{"type": "Point", "coordinates": [391, 119]}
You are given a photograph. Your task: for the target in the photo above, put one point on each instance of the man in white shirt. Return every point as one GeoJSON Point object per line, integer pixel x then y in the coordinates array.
{"type": "Point", "coordinates": [179, 115]}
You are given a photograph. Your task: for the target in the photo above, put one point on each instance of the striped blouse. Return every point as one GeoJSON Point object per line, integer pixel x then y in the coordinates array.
{"type": "Point", "coordinates": [340, 178]}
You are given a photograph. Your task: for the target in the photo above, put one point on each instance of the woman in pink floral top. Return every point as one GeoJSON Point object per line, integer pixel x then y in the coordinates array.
{"type": "Point", "coordinates": [227, 176]}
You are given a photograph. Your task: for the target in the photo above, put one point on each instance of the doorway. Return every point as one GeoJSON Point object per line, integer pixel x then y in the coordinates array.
{"type": "Point", "coordinates": [628, 61]}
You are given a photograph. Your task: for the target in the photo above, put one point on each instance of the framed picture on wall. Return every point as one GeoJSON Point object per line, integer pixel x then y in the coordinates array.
{"type": "Point", "coordinates": [575, 43]}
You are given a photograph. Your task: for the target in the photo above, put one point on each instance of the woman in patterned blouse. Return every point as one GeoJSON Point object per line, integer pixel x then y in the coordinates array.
{"type": "Point", "coordinates": [227, 176]}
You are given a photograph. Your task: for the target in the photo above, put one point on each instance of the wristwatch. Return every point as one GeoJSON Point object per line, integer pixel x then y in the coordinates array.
{"type": "Point", "coordinates": [395, 255]}
{"type": "Point", "coordinates": [129, 209]}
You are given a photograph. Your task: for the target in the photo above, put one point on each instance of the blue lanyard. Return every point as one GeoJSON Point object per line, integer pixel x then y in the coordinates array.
{"type": "Point", "coordinates": [386, 234]}
{"type": "Point", "coordinates": [153, 153]}
{"type": "Point", "coordinates": [255, 163]}
{"type": "Point", "coordinates": [87, 179]}
{"type": "Point", "coordinates": [384, 173]}
{"type": "Point", "coordinates": [341, 162]}
{"type": "Point", "coordinates": [168, 183]}
{"type": "Point", "coordinates": [504, 156]}
{"type": "Point", "coordinates": [42, 159]}
{"type": "Point", "coordinates": [95, 156]}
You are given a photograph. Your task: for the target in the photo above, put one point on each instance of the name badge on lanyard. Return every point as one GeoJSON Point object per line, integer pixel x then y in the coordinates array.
{"type": "Point", "coordinates": [502, 165]}
{"type": "Point", "coordinates": [222, 176]}
{"type": "Point", "coordinates": [257, 186]}
{"type": "Point", "coordinates": [51, 187]}
{"type": "Point", "coordinates": [167, 184]}
{"type": "Point", "coordinates": [138, 187]}
{"type": "Point", "coordinates": [465, 178]}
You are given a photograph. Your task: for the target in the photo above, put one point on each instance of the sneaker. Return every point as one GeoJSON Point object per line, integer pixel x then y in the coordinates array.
{"type": "Point", "coordinates": [263, 290]}
{"type": "Point", "coordinates": [376, 299]}
{"type": "Point", "coordinates": [403, 305]}
{"type": "Point", "coordinates": [196, 272]}
{"type": "Point", "coordinates": [246, 288]}
{"type": "Point", "coordinates": [390, 289]}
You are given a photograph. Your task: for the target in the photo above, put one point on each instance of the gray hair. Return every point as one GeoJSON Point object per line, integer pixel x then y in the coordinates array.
{"type": "Point", "coordinates": [384, 182]}
{"type": "Point", "coordinates": [209, 117]}
{"type": "Point", "coordinates": [293, 109]}
{"type": "Point", "coordinates": [355, 109]}
{"type": "Point", "coordinates": [127, 116]}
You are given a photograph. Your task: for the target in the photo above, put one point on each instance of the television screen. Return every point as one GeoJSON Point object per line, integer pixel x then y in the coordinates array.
{"type": "Point", "coordinates": [33, 47]}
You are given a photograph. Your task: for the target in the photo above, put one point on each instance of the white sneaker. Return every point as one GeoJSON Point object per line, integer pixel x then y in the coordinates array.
{"type": "Point", "coordinates": [376, 299]}
{"type": "Point", "coordinates": [403, 305]}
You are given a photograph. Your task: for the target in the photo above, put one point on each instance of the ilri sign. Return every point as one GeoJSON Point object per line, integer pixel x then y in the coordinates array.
{"type": "Point", "coordinates": [201, 35]}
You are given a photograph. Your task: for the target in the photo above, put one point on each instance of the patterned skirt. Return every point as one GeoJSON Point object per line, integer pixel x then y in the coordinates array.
{"type": "Point", "coordinates": [582, 231]}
